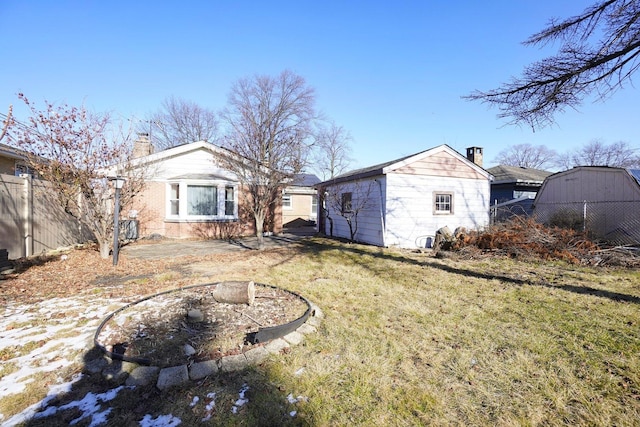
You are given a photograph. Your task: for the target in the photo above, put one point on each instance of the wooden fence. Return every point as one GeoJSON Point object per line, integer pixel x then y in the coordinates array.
{"type": "Point", "coordinates": [31, 220]}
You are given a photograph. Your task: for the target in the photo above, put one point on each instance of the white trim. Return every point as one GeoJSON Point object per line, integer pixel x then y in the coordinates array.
{"type": "Point", "coordinates": [183, 206]}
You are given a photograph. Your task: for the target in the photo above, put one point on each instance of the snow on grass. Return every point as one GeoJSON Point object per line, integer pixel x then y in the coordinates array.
{"type": "Point", "coordinates": [242, 400]}
{"type": "Point", "coordinates": [56, 344]}
{"type": "Point", "coordinates": [160, 421]}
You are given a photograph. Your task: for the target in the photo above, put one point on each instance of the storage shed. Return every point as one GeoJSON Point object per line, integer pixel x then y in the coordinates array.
{"type": "Point", "coordinates": [404, 202]}
{"type": "Point", "coordinates": [604, 201]}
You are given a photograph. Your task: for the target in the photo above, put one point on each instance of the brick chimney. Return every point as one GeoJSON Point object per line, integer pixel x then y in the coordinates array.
{"type": "Point", "coordinates": [142, 146]}
{"type": "Point", "coordinates": [474, 154]}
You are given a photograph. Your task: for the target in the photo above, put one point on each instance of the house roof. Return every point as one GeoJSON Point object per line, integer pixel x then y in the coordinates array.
{"type": "Point", "coordinates": [178, 150]}
{"type": "Point", "coordinates": [386, 167]}
{"type": "Point", "coordinates": [304, 180]}
{"type": "Point", "coordinates": [504, 174]}
{"type": "Point", "coordinates": [11, 152]}
{"type": "Point", "coordinates": [635, 173]}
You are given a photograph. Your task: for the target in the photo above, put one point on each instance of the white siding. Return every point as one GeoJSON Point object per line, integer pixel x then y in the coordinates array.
{"type": "Point", "coordinates": [201, 161]}
{"type": "Point", "coordinates": [409, 209]}
{"type": "Point", "coordinates": [366, 196]}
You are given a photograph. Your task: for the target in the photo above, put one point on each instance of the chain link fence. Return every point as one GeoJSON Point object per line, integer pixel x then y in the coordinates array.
{"type": "Point", "coordinates": [616, 222]}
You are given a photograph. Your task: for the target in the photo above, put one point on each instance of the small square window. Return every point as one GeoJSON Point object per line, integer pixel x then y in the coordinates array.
{"type": "Point", "coordinates": [443, 203]}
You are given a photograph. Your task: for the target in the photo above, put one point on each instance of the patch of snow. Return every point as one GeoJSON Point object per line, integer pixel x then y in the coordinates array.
{"type": "Point", "coordinates": [194, 401]}
{"type": "Point", "coordinates": [160, 421]}
{"type": "Point", "coordinates": [210, 406]}
{"type": "Point", "coordinates": [242, 400]}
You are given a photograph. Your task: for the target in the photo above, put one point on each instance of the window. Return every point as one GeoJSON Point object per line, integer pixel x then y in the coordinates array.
{"type": "Point", "coordinates": [202, 200]}
{"type": "Point", "coordinates": [346, 202]}
{"type": "Point", "coordinates": [442, 203]}
{"type": "Point", "coordinates": [314, 205]}
{"type": "Point", "coordinates": [21, 168]}
{"type": "Point", "coordinates": [229, 202]}
{"type": "Point", "coordinates": [174, 199]}
{"type": "Point", "coordinates": [286, 201]}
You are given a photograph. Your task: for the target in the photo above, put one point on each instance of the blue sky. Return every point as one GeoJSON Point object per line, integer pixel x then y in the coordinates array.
{"type": "Point", "coordinates": [391, 73]}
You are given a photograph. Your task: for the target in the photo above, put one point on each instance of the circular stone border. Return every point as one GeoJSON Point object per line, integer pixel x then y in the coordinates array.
{"type": "Point", "coordinates": [138, 371]}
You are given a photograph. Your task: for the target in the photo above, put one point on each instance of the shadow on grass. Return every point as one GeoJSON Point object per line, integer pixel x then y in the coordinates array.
{"type": "Point", "coordinates": [249, 397]}
{"type": "Point", "coordinates": [325, 244]}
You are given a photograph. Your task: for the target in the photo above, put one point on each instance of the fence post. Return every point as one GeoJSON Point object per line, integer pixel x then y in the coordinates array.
{"type": "Point", "coordinates": [584, 216]}
{"type": "Point", "coordinates": [27, 215]}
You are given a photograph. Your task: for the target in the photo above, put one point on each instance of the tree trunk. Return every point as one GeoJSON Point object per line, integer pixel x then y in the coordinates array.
{"type": "Point", "coordinates": [105, 249]}
{"type": "Point", "coordinates": [235, 292]}
{"type": "Point", "coordinates": [259, 217]}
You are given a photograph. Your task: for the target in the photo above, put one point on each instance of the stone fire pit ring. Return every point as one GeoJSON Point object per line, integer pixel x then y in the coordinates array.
{"type": "Point", "coordinates": [266, 340]}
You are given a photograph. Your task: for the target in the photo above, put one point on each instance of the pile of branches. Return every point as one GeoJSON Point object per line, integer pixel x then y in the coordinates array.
{"type": "Point", "coordinates": [524, 237]}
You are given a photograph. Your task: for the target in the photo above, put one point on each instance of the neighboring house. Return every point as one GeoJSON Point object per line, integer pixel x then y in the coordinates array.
{"type": "Point", "coordinates": [12, 161]}
{"type": "Point", "coordinates": [405, 201]}
{"type": "Point", "coordinates": [189, 194]}
{"type": "Point", "coordinates": [513, 189]}
{"type": "Point", "coordinates": [604, 201]}
{"type": "Point", "coordinates": [300, 202]}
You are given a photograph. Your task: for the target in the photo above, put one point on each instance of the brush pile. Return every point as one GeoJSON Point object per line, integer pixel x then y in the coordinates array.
{"type": "Point", "coordinates": [524, 237]}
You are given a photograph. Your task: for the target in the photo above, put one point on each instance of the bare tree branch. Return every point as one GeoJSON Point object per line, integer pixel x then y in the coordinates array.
{"type": "Point", "coordinates": [180, 122]}
{"type": "Point", "coordinates": [332, 150]}
{"type": "Point", "coordinates": [527, 156]}
{"type": "Point", "coordinates": [269, 123]}
{"type": "Point", "coordinates": [581, 67]}
{"type": "Point", "coordinates": [598, 153]}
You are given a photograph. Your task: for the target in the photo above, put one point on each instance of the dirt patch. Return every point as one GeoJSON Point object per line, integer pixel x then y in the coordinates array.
{"type": "Point", "coordinates": [159, 331]}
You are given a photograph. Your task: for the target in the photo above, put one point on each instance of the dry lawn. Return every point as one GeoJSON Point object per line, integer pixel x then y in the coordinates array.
{"type": "Point", "coordinates": [407, 339]}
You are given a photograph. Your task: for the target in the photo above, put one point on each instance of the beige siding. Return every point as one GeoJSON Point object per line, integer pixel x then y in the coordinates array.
{"type": "Point", "coordinates": [300, 209]}
{"type": "Point", "coordinates": [590, 184]}
{"type": "Point", "coordinates": [7, 166]}
{"type": "Point", "coordinates": [440, 164]}
{"type": "Point", "coordinates": [31, 219]}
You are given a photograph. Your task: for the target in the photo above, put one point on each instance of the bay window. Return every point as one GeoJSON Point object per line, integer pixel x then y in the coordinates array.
{"type": "Point", "coordinates": [201, 201]}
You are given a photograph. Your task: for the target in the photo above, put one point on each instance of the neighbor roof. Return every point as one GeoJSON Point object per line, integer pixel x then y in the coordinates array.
{"type": "Point", "coordinates": [513, 174]}
{"type": "Point", "coordinates": [305, 180]}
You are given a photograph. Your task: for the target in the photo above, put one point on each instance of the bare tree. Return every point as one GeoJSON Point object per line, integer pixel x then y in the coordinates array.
{"type": "Point", "coordinates": [332, 150]}
{"type": "Point", "coordinates": [599, 53]}
{"type": "Point", "coordinates": [349, 201]}
{"type": "Point", "coordinates": [180, 122]}
{"type": "Point", "coordinates": [598, 153]}
{"type": "Point", "coordinates": [269, 123]}
{"type": "Point", "coordinates": [74, 150]}
{"type": "Point", "coordinates": [527, 156]}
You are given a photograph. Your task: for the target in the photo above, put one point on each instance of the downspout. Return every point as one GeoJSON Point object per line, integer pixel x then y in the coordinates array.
{"type": "Point", "coordinates": [384, 230]}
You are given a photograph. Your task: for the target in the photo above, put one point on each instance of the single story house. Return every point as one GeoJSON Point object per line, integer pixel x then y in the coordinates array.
{"type": "Point", "coordinates": [190, 194]}
{"type": "Point", "coordinates": [12, 161]}
{"type": "Point", "coordinates": [604, 201]}
{"type": "Point", "coordinates": [404, 202]}
{"type": "Point", "coordinates": [300, 202]}
{"type": "Point", "coordinates": [513, 189]}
